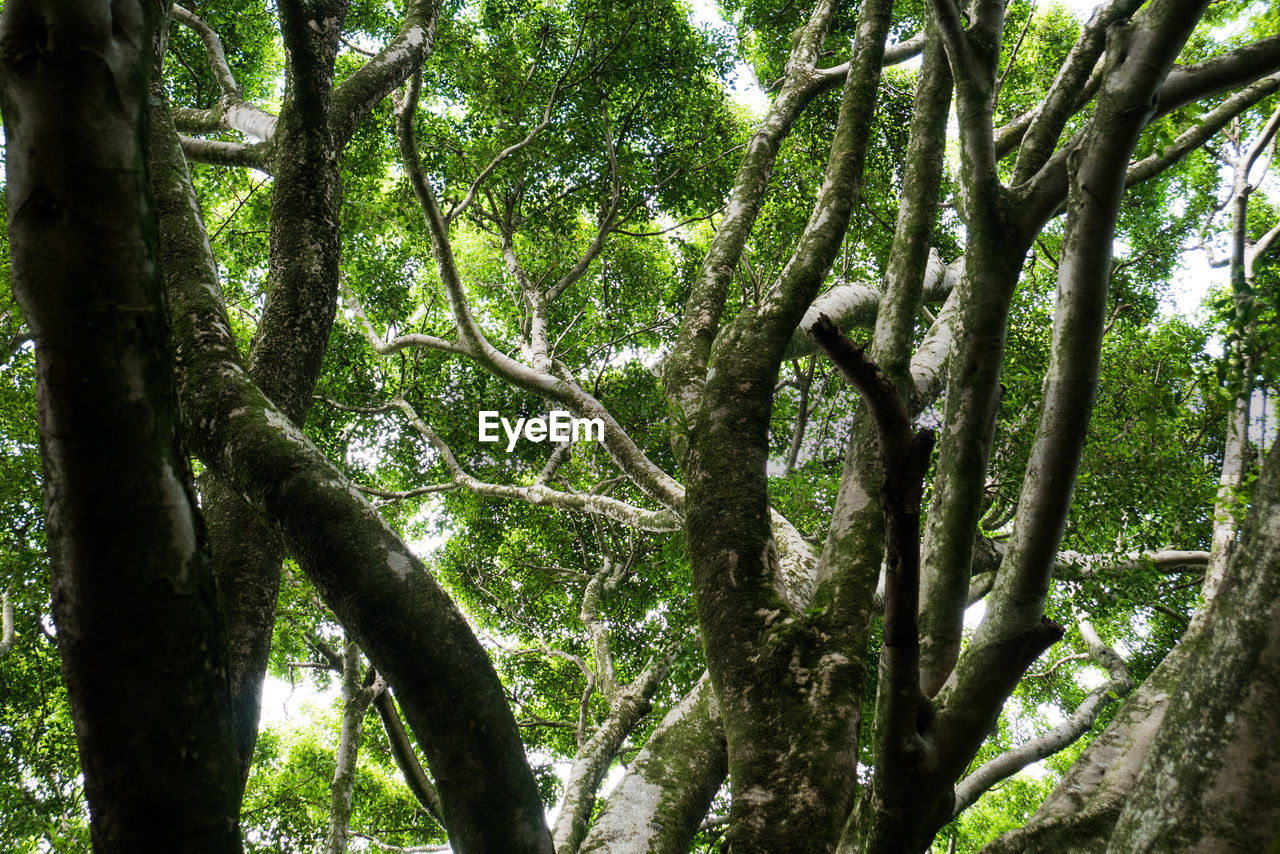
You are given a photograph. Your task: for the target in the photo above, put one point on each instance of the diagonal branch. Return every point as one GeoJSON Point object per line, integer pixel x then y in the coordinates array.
{"type": "Point", "coordinates": [1202, 131]}
{"type": "Point", "coordinates": [1048, 743]}
{"type": "Point", "coordinates": [904, 458]}
{"type": "Point", "coordinates": [826, 79]}
{"type": "Point", "coordinates": [212, 48]}
{"type": "Point", "coordinates": [1183, 85]}
{"type": "Point", "coordinates": [684, 370]}
{"type": "Point", "coordinates": [647, 476]}
{"type": "Point", "coordinates": [406, 759]}
{"type": "Point", "coordinates": [1013, 54]}
{"type": "Point", "coordinates": [356, 96]}
{"type": "Point", "coordinates": [460, 207]}
{"type": "Point", "coordinates": [1064, 97]}
{"type": "Point", "coordinates": [408, 626]}
{"type": "Point", "coordinates": [386, 345]}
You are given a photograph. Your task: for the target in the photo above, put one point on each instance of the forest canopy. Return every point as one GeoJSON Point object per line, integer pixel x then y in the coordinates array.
{"type": "Point", "coordinates": [904, 508]}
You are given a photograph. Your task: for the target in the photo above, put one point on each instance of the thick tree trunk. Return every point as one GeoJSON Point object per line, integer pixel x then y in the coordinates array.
{"type": "Point", "coordinates": [284, 361]}
{"type": "Point", "coordinates": [380, 592]}
{"type": "Point", "coordinates": [1082, 809]}
{"type": "Point", "coordinates": [790, 697]}
{"type": "Point", "coordinates": [1191, 762]}
{"type": "Point", "coordinates": [246, 555]}
{"type": "Point", "coordinates": [1209, 780]}
{"type": "Point", "coordinates": [142, 641]}
{"type": "Point", "coordinates": [316, 120]}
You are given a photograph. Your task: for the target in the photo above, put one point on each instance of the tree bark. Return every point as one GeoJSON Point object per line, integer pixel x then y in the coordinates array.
{"type": "Point", "coordinates": [284, 361]}
{"type": "Point", "coordinates": [657, 807]}
{"type": "Point", "coordinates": [379, 591]}
{"type": "Point", "coordinates": [142, 641]}
{"type": "Point", "coordinates": [315, 122]}
{"type": "Point", "coordinates": [358, 691]}
{"type": "Point", "coordinates": [1210, 778]}
{"type": "Point", "coordinates": [790, 699]}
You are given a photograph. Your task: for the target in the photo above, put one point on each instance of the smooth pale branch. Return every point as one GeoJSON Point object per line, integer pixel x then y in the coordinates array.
{"type": "Point", "coordinates": [558, 426]}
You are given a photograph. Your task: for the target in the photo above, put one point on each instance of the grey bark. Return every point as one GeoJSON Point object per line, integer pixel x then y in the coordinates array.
{"type": "Point", "coordinates": [306, 141]}
{"type": "Point", "coordinates": [1050, 742]}
{"type": "Point", "coordinates": [626, 707]}
{"type": "Point", "coordinates": [7, 633]}
{"type": "Point", "coordinates": [285, 357]}
{"type": "Point", "coordinates": [789, 698]}
{"type": "Point", "coordinates": [358, 692]}
{"type": "Point", "coordinates": [657, 807]}
{"type": "Point", "coordinates": [1209, 781]}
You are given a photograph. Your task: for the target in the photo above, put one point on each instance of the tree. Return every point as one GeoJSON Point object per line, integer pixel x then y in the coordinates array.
{"type": "Point", "coordinates": [124, 534]}
{"type": "Point", "coordinates": [568, 168]}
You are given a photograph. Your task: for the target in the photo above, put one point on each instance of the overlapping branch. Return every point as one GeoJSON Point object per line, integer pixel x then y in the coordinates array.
{"type": "Point", "coordinates": [397, 606]}
{"type": "Point", "coordinates": [537, 493]}
{"type": "Point", "coordinates": [1117, 686]}
{"type": "Point", "coordinates": [559, 387]}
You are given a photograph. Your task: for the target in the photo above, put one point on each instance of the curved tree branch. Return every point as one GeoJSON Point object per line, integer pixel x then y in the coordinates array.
{"type": "Point", "coordinates": [1072, 566]}
{"type": "Point", "coordinates": [218, 153]}
{"type": "Point", "coordinates": [408, 626]}
{"type": "Point", "coordinates": [234, 113]}
{"type": "Point", "coordinates": [539, 494]}
{"type": "Point", "coordinates": [393, 65]}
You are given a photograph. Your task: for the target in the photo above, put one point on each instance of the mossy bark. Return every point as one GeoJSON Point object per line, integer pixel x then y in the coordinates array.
{"type": "Point", "coordinates": [789, 696]}
{"type": "Point", "coordinates": [661, 801]}
{"type": "Point", "coordinates": [1209, 780]}
{"type": "Point", "coordinates": [383, 596]}
{"type": "Point", "coordinates": [284, 361]}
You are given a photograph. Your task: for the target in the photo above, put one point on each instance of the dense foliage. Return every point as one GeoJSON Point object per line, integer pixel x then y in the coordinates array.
{"type": "Point", "coordinates": [583, 153]}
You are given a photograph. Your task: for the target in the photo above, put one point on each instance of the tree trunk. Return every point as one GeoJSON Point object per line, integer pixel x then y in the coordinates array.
{"type": "Point", "coordinates": [657, 807]}
{"type": "Point", "coordinates": [379, 591]}
{"type": "Point", "coordinates": [142, 640]}
{"type": "Point", "coordinates": [1210, 778]}
{"type": "Point", "coordinates": [284, 361]}
{"type": "Point", "coordinates": [789, 688]}
{"type": "Point", "coordinates": [358, 691]}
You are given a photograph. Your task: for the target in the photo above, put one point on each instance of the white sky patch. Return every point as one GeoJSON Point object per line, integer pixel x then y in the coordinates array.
{"type": "Point", "coordinates": [425, 546]}
{"type": "Point", "coordinates": [974, 613]}
{"type": "Point", "coordinates": [1080, 8]}
{"type": "Point", "coordinates": [296, 703]}
{"type": "Point", "coordinates": [1191, 283]}
{"type": "Point", "coordinates": [1052, 714]}
{"type": "Point", "coordinates": [1090, 678]}
{"type": "Point", "coordinates": [745, 89]}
